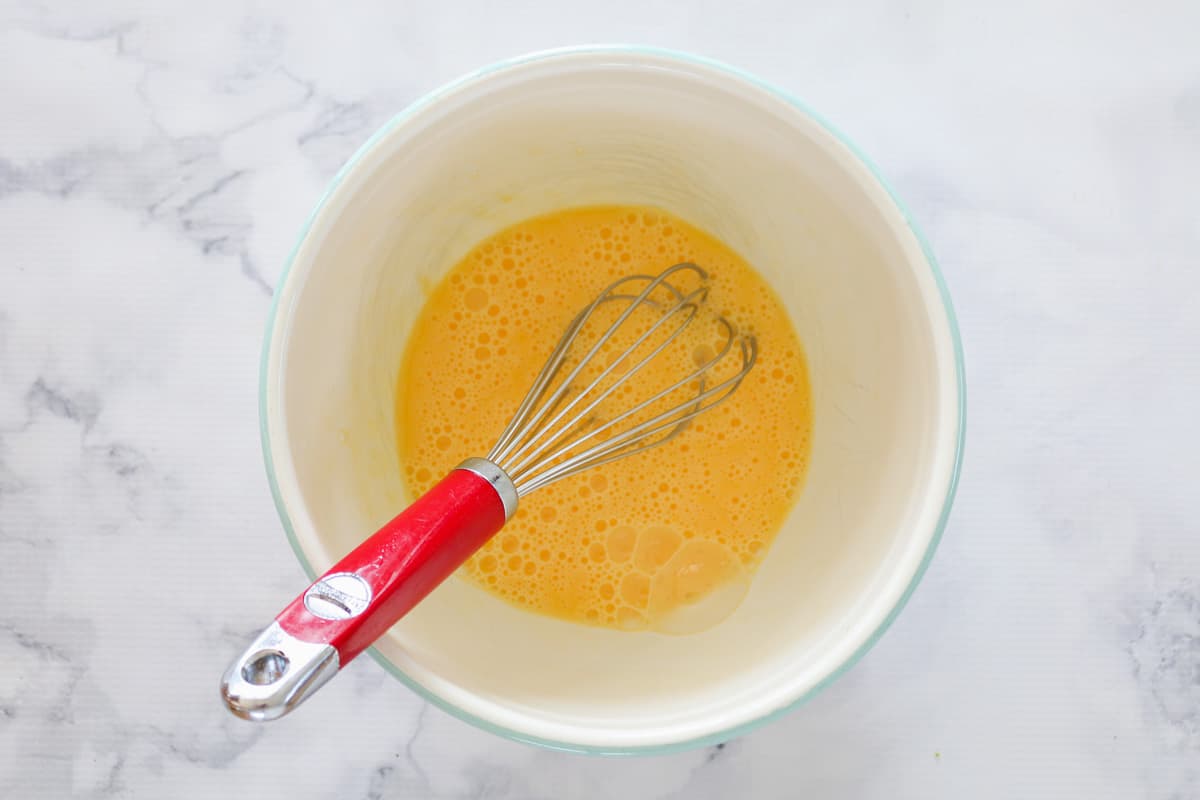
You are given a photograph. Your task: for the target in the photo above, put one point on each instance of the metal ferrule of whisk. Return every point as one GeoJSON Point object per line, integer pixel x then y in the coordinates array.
{"type": "Point", "coordinates": [566, 424]}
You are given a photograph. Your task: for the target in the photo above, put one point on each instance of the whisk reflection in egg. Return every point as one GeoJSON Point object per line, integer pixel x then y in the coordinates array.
{"type": "Point", "coordinates": [590, 404]}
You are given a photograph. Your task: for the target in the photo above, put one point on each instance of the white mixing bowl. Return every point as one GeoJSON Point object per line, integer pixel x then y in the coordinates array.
{"type": "Point", "coordinates": [736, 158]}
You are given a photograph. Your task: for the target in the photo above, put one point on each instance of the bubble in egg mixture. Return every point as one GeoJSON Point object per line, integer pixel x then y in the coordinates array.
{"type": "Point", "coordinates": [667, 540]}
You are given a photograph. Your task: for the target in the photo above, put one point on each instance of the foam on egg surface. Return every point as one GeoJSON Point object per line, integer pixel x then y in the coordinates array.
{"type": "Point", "coordinates": [666, 540]}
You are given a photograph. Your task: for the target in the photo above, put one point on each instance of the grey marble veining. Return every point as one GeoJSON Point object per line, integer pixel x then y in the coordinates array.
{"type": "Point", "coordinates": [156, 161]}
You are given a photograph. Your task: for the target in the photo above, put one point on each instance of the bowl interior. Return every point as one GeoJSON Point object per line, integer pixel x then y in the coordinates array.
{"type": "Point", "coordinates": [736, 160]}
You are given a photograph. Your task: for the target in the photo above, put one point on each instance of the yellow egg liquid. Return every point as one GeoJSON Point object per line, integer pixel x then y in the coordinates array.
{"type": "Point", "coordinates": [665, 540]}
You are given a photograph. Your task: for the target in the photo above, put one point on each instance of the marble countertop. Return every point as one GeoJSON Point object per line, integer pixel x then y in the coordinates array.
{"type": "Point", "coordinates": [155, 165]}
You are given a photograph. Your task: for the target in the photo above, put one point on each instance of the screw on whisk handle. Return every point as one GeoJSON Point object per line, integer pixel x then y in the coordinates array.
{"type": "Point", "coordinates": [365, 593]}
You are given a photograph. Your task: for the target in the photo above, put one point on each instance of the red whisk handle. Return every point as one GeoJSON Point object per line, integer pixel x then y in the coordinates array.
{"type": "Point", "coordinates": [369, 590]}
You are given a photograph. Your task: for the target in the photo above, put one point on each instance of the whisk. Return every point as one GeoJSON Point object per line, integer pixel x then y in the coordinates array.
{"type": "Point", "coordinates": [563, 426]}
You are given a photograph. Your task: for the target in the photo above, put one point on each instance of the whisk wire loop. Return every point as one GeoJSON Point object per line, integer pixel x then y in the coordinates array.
{"type": "Point", "coordinates": [530, 414]}
{"type": "Point", "coordinates": [557, 431]}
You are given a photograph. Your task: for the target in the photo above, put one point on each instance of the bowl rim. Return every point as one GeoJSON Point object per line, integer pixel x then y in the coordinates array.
{"type": "Point", "coordinates": [686, 59]}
